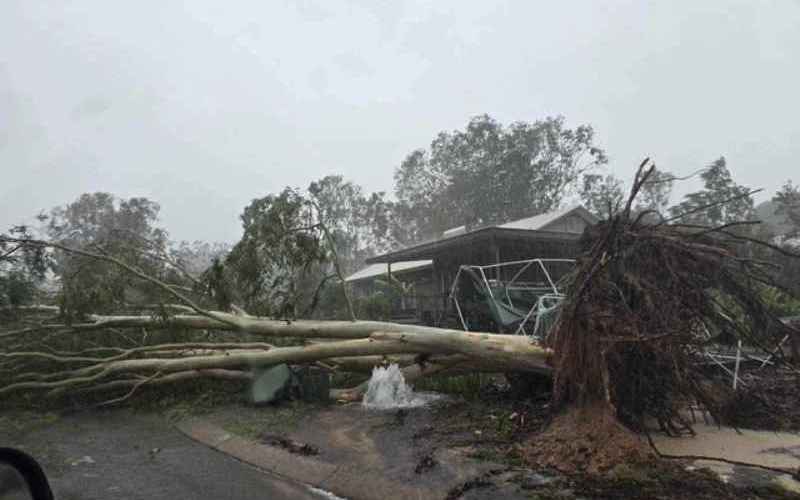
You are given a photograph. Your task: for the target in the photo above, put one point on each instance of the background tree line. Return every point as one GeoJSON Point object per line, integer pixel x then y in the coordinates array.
{"type": "Point", "coordinates": [284, 263]}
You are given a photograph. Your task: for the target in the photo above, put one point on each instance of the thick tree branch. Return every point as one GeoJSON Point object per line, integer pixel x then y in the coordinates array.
{"type": "Point", "coordinates": [131, 269]}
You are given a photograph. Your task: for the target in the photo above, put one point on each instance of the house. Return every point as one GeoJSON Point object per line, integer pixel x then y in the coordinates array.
{"type": "Point", "coordinates": [427, 269]}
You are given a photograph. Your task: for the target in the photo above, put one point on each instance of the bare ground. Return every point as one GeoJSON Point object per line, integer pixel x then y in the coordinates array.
{"type": "Point", "coordinates": [491, 446]}
{"type": "Point", "coordinates": [487, 448]}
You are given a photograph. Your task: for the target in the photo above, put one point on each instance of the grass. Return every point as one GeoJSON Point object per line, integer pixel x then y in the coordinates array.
{"type": "Point", "coordinates": [174, 402]}
{"type": "Point", "coordinates": [252, 421]}
{"type": "Point", "coordinates": [193, 398]}
{"type": "Point", "coordinates": [466, 386]}
{"type": "Point", "coordinates": [18, 422]}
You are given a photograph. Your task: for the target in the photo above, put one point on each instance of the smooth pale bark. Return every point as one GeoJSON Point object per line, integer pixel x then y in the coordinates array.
{"type": "Point", "coordinates": [240, 360]}
{"type": "Point", "coordinates": [34, 308]}
{"type": "Point", "coordinates": [342, 344]}
{"type": "Point", "coordinates": [308, 329]}
{"type": "Point", "coordinates": [518, 352]}
{"type": "Point", "coordinates": [506, 352]}
{"type": "Point", "coordinates": [514, 352]}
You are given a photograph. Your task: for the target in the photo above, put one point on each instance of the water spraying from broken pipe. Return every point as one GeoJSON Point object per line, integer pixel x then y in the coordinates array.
{"type": "Point", "coordinates": [388, 390]}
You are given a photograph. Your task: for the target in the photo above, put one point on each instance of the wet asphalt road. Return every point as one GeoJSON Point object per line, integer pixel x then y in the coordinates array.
{"type": "Point", "coordinates": [123, 455]}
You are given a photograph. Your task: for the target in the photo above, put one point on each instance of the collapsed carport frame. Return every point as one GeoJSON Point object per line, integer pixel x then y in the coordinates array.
{"type": "Point", "coordinates": [549, 296]}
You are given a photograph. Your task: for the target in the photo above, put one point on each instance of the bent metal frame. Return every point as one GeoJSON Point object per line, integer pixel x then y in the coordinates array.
{"type": "Point", "coordinates": [547, 302]}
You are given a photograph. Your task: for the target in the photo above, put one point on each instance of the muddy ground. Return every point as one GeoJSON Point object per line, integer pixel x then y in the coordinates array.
{"type": "Point", "coordinates": [477, 448]}
{"type": "Point", "coordinates": [460, 447]}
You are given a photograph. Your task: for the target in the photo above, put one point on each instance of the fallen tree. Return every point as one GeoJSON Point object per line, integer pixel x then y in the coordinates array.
{"type": "Point", "coordinates": [99, 368]}
{"type": "Point", "coordinates": [340, 344]}
{"type": "Point", "coordinates": [645, 298]}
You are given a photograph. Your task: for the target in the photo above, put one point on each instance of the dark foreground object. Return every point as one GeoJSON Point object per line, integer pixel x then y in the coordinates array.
{"type": "Point", "coordinates": [34, 484]}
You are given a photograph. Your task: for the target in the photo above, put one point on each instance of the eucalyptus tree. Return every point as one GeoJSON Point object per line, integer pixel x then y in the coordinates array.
{"type": "Point", "coordinates": [125, 228]}
{"type": "Point", "coordinates": [787, 200]}
{"type": "Point", "coordinates": [602, 195]}
{"type": "Point", "coordinates": [490, 173]}
{"type": "Point", "coordinates": [721, 201]}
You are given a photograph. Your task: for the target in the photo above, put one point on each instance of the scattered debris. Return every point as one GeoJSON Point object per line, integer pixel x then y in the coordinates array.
{"type": "Point", "coordinates": [426, 463]}
{"type": "Point", "coordinates": [324, 494]}
{"type": "Point", "coordinates": [424, 431]}
{"type": "Point", "coordinates": [770, 401]}
{"type": "Point", "coordinates": [81, 461]}
{"type": "Point", "coordinates": [400, 416]}
{"type": "Point", "coordinates": [289, 445]}
{"type": "Point", "coordinates": [474, 483]}
{"type": "Point", "coordinates": [535, 480]}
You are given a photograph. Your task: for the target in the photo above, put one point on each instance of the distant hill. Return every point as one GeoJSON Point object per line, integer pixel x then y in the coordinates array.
{"type": "Point", "coordinates": [766, 213]}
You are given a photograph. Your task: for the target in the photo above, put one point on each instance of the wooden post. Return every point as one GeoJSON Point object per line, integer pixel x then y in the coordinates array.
{"type": "Point", "coordinates": [433, 300]}
{"type": "Point", "coordinates": [442, 299]}
{"type": "Point", "coordinates": [496, 248]}
{"type": "Point", "coordinates": [389, 279]}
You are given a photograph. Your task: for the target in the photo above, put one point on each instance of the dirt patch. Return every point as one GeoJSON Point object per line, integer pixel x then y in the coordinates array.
{"type": "Point", "coordinates": [588, 440]}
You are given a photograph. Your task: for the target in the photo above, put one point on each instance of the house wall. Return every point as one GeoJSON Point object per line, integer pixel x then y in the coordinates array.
{"type": "Point", "coordinates": [413, 303]}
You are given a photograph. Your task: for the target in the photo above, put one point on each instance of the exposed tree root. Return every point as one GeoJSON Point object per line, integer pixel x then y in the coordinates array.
{"type": "Point", "coordinates": [644, 301]}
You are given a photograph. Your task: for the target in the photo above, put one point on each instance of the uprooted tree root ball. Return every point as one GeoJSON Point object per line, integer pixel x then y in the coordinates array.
{"type": "Point", "coordinates": [646, 296]}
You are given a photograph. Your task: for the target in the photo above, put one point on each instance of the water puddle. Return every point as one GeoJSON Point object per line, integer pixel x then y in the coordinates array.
{"type": "Point", "coordinates": [388, 390]}
{"type": "Point", "coordinates": [771, 449]}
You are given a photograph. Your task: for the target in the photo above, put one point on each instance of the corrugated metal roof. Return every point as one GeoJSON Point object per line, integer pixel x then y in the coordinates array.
{"type": "Point", "coordinates": [373, 270]}
{"type": "Point", "coordinates": [455, 231]}
{"type": "Point", "coordinates": [540, 221]}
{"type": "Point", "coordinates": [530, 227]}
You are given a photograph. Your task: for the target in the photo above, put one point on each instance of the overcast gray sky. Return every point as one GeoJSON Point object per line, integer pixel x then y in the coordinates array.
{"type": "Point", "coordinates": [205, 105]}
